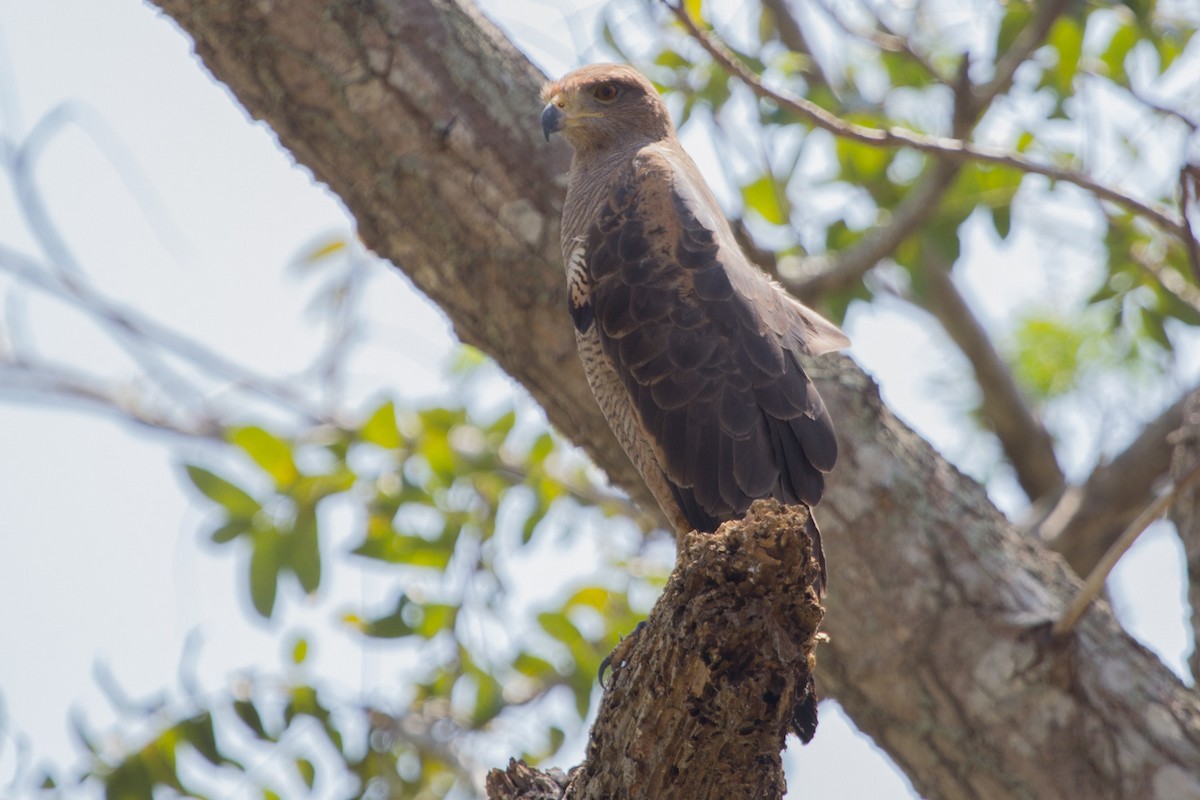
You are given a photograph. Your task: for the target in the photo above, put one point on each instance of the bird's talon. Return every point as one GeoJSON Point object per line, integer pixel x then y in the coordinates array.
{"type": "Point", "coordinates": [616, 659]}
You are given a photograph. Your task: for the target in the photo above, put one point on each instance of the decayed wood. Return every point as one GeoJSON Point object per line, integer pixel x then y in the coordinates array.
{"type": "Point", "coordinates": [424, 121]}
{"type": "Point", "coordinates": [711, 685]}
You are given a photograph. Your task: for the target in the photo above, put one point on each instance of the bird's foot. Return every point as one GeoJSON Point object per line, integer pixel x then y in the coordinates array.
{"type": "Point", "coordinates": [616, 659]}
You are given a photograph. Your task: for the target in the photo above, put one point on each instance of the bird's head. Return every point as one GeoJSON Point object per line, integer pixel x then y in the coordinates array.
{"type": "Point", "coordinates": [604, 105]}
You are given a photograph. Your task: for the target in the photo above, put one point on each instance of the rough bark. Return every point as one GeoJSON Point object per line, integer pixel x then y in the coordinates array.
{"type": "Point", "coordinates": [1185, 512]}
{"type": "Point", "coordinates": [424, 121]}
{"type": "Point", "coordinates": [708, 689]}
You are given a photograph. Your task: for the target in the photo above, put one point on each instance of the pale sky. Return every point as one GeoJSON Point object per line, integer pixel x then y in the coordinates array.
{"type": "Point", "coordinates": [100, 556]}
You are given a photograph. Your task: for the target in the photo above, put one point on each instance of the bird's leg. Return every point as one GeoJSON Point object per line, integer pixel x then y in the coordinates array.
{"type": "Point", "coordinates": [617, 658]}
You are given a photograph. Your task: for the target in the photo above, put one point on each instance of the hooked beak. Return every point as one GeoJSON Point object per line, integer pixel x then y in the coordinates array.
{"type": "Point", "coordinates": [552, 120]}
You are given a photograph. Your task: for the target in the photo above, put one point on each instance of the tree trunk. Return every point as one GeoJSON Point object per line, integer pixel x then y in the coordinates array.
{"type": "Point", "coordinates": [704, 694]}
{"type": "Point", "coordinates": [424, 120]}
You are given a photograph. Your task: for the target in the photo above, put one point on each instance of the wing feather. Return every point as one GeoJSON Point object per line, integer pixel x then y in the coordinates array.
{"type": "Point", "coordinates": [707, 348]}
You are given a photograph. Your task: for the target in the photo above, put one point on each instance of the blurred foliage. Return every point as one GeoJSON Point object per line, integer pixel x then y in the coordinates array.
{"type": "Point", "coordinates": [1078, 101]}
{"type": "Point", "coordinates": [447, 502]}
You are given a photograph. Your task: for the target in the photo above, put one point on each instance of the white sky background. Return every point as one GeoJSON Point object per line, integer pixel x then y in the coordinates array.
{"type": "Point", "coordinates": [99, 550]}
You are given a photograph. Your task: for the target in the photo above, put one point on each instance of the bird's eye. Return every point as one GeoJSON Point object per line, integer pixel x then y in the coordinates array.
{"type": "Point", "coordinates": [605, 92]}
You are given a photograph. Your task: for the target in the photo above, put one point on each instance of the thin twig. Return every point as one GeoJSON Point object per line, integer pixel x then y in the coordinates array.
{"type": "Point", "coordinates": [1028, 40]}
{"type": "Point", "coordinates": [43, 383]}
{"type": "Point", "coordinates": [1189, 193]}
{"type": "Point", "coordinates": [1096, 579]}
{"type": "Point", "coordinates": [792, 36]}
{"type": "Point", "coordinates": [1085, 521]}
{"type": "Point", "coordinates": [884, 39]}
{"type": "Point", "coordinates": [940, 146]}
{"type": "Point", "coordinates": [831, 272]}
{"type": "Point", "coordinates": [79, 293]}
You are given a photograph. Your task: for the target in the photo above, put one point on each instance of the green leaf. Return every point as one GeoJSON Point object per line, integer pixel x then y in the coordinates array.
{"type": "Point", "coordinates": [380, 428]}
{"type": "Point", "coordinates": [311, 489]}
{"type": "Point", "coordinates": [398, 548]}
{"type": "Point", "coordinates": [271, 453]}
{"type": "Point", "coordinates": [388, 626]}
{"type": "Point", "coordinates": [308, 773]}
{"type": "Point", "coordinates": [303, 701]}
{"type": "Point", "coordinates": [130, 781]}
{"type": "Point", "coordinates": [224, 493]}
{"type": "Point", "coordinates": [502, 426]}
{"type": "Point", "coordinates": [300, 650]}
{"type": "Point", "coordinates": [1066, 37]}
{"type": "Point", "coordinates": [248, 714]}
{"type": "Point", "coordinates": [1014, 20]}
{"type": "Point", "coordinates": [542, 447]}
{"type": "Point", "coordinates": [534, 666]}
{"type": "Point", "coordinates": [230, 530]}
{"type": "Point", "coordinates": [557, 737]}
{"type": "Point", "coordinates": [1170, 45]}
{"type": "Point", "coordinates": [1153, 327]}
{"type": "Point", "coordinates": [435, 618]}
{"type": "Point", "coordinates": [767, 198]}
{"type": "Point", "coordinates": [559, 626]}
{"type": "Point", "coordinates": [264, 572]}
{"type": "Point", "coordinates": [1002, 220]}
{"type": "Point", "coordinates": [863, 163]}
{"type": "Point", "coordinates": [1123, 40]}
{"type": "Point", "coordinates": [489, 699]}
{"type": "Point", "coordinates": [198, 732]}
{"type": "Point", "coordinates": [1047, 355]}
{"type": "Point", "coordinates": [304, 551]}
{"type": "Point", "coordinates": [671, 59]}
{"type": "Point", "coordinates": [323, 250]}
{"type": "Point", "coordinates": [595, 597]}
{"type": "Point", "coordinates": [434, 446]}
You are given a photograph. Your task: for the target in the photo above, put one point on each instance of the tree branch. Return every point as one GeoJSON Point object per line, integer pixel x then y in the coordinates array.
{"type": "Point", "coordinates": [832, 272]}
{"type": "Point", "coordinates": [424, 121]}
{"type": "Point", "coordinates": [1185, 513]}
{"type": "Point", "coordinates": [1094, 584]}
{"type": "Point", "coordinates": [943, 147]}
{"type": "Point", "coordinates": [720, 672]}
{"type": "Point", "coordinates": [1026, 442]}
{"type": "Point", "coordinates": [792, 36]}
{"type": "Point", "coordinates": [1031, 37]}
{"type": "Point", "coordinates": [1085, 521]}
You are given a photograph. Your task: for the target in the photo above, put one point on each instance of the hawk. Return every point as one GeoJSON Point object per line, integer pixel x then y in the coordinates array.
{"type": "Point", "coordinates": [693, 353]}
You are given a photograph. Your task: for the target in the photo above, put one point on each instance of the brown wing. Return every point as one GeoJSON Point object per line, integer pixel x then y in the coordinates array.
{"type": "Point", "coordinates": [706, 348]}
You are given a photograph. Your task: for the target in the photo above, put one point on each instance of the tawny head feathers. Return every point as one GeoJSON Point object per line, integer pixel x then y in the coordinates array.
{"type": "Point", "coordinates": [605, 105]}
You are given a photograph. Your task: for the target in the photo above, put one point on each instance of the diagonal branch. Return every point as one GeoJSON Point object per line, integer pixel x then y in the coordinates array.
{"type": "Point", "coordinates": [832, 272]}
{"type": "Point", "coordinates": [883, 37]}
{"type": "Point", "coordinates": [1094, 584]}
{"type": "Point", "coordinates": [792, 35]}
{"type": "Point", "coordinates": [1085, 521]}
{"type": "Point", "coordinates": [137, 333]}
{"type": "Point", "coordinates": [1028, 40]}
{"type": "Point", "coordinates": [1026, 442]}
{"type": "Point", "coordinates": [943, 147]}
{"type": "Point", "coordinates": [43, 383]}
